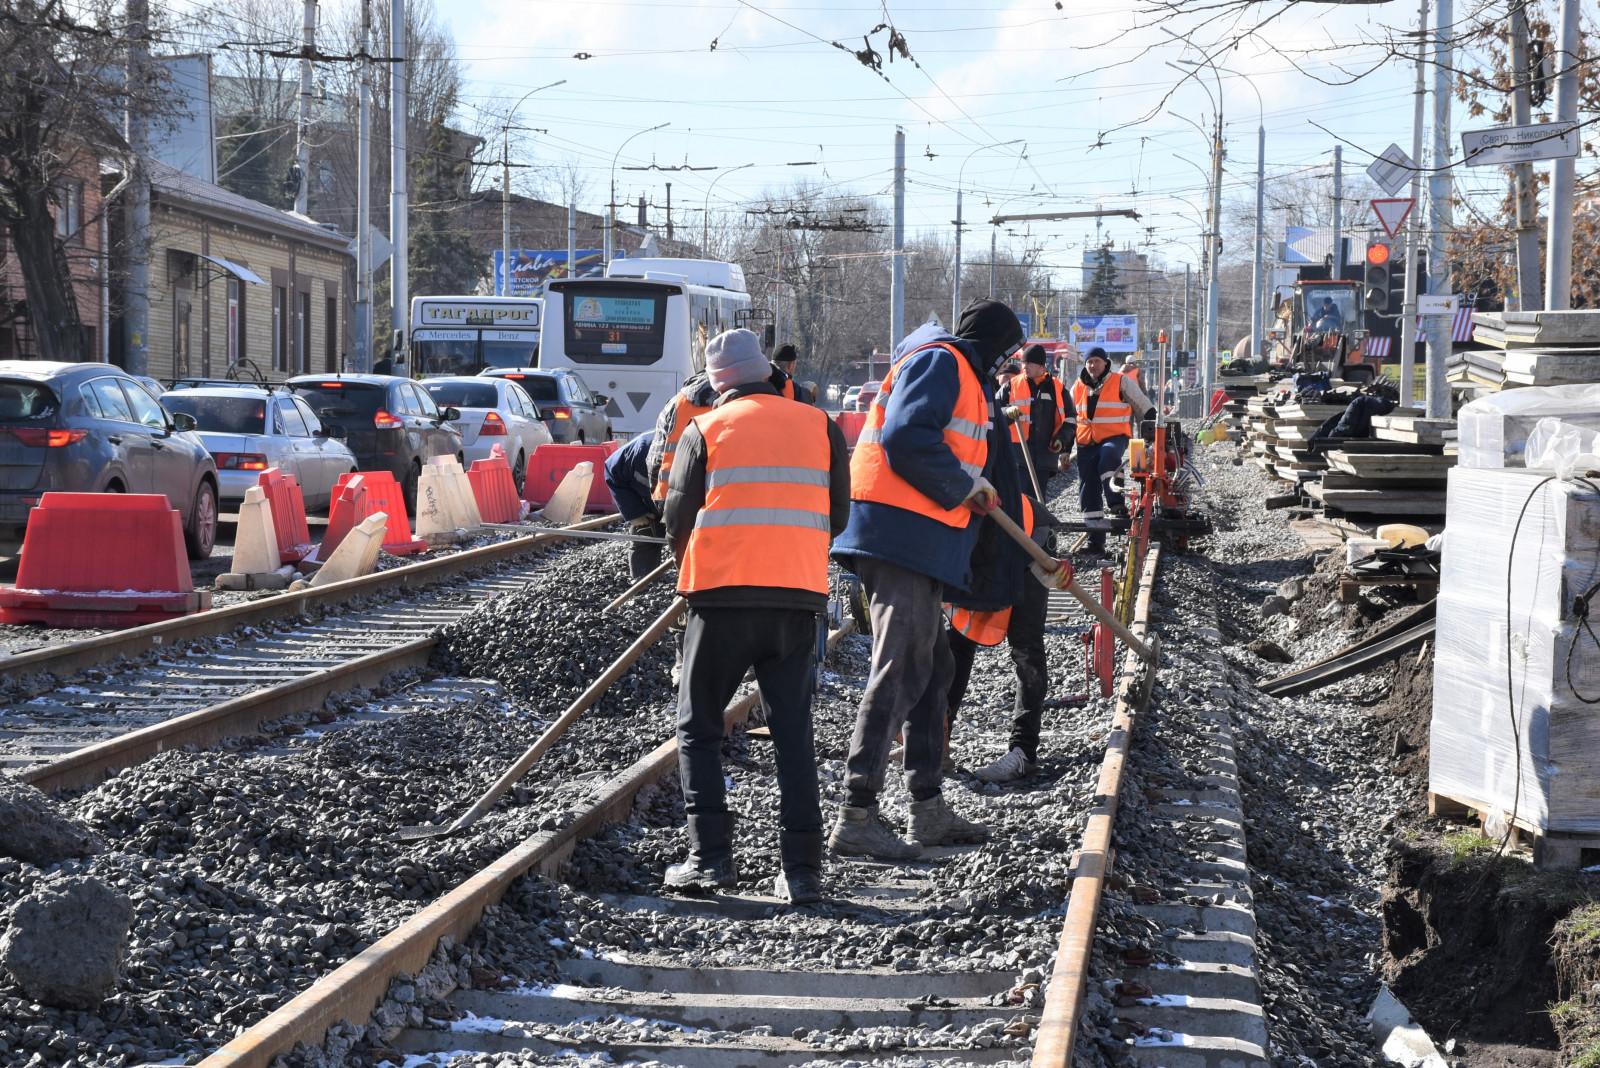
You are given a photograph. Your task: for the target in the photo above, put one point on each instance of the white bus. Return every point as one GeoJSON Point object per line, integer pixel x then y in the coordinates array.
{"type": "Point", "coordinates": [638, 333]}
{"type": "Point", "coordinates": [464, 335]}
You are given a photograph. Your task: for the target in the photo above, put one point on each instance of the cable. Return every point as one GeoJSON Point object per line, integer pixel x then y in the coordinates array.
{"type": "Point", "coordinates": [1511, 689]}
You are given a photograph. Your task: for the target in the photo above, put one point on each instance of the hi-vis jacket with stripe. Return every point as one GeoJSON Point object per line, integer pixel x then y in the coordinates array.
{"type": "Point", "coordinates": [1105, 413]}
{"type": "Point", "coordinates": [759, 486]}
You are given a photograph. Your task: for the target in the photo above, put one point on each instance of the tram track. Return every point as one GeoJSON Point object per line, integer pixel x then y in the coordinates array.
{"type": "Point", "coordinates": [215, 675]}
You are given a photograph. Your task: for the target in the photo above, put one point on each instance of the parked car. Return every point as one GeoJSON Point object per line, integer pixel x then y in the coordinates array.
{"type": "Point", "coordinates": [390, 423]}
{"type": "Point", "coordinates": [572, 413]}
{"type": "Point", "coordinates": [249, 429]}
{"type": "Point", "coordinates": [848, 402]}
{"type": "Point", "coordinates": [93, 428]}
{"type": "Point", "coordinates": [494, 411]}
{"type": "Point", "coordinates": [868, 394]}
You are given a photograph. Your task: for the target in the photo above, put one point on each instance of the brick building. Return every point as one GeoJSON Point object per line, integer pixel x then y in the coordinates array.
{"type": "Point", "coordinates": [83, 234]}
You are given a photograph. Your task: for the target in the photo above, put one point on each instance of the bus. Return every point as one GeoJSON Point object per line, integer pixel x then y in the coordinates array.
{"type": "Point", "coordinates": [464, 335]}
{"type": "Point", "coordinates": [638, 333]}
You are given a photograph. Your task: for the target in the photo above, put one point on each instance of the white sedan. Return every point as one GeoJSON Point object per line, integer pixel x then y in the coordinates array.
{"type": "Point", "coordinates": [494, 411]}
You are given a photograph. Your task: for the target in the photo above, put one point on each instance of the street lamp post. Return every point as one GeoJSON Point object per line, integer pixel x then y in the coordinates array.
{"type": "Point", "coordinates": [955, 286]}
{"type": "Point", "coordinates": [505, 189]}
{"type": "Point", "coordinates": [705, 228]}
{"type": "Point", "coordinates": [611, 207]}
{"type": "Point", "coordinates": [1209, 366]}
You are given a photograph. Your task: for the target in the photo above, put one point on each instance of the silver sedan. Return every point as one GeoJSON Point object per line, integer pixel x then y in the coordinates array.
{"type": "Point", "coordinates": [494, 411]}
{"type": "Point", "coordinates": [248, 429]}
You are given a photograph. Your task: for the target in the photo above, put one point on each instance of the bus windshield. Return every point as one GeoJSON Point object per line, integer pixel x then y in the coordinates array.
{"type": "Point", "coordinates": [511, 353]}
{"type": "Point", "coordinates": [607, 323]}
{"type": "Point", "coordinates": [453, 357]}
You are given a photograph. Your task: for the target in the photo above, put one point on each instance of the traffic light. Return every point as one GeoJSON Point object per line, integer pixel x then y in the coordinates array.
{"type": "Point", "coordinates": [1397, 284]}
{"type": "Point", "coordinates": [1378, 281]}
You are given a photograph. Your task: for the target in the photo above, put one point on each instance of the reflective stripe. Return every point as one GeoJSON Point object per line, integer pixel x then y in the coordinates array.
{"type": "Point", "coordinates": [967, 428]}
{"type": "Point", "coordinates": [761, 517]}
{"type": "Point", "coordinates": [869, 436]}
{"type": "Point", "coordinates": [1123, 418]}
{"type": "Point", "coordinates": [731, 476]}
{"type": "Point", "coordinates": [973, 469]}
{"type": "Point", "coordinates": [671, 446]}
{"type": "Point", "coordinates": [1094, 515]}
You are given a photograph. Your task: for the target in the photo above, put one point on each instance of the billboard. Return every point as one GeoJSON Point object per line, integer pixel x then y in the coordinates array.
{"type": "Point", "coordinates": [531, 268]}
{"type": "Point", "coordinates": [1114, 333]}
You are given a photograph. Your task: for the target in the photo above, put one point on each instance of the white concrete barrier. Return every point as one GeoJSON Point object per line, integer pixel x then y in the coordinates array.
{"type": "Point", "coordinates": [357, 554]}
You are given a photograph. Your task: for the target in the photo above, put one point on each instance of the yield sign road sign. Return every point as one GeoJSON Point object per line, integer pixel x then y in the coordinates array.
{"type": "Point", "coordinates": [1392, 214]}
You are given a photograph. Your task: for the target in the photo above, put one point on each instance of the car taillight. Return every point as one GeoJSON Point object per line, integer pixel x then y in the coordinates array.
{"type": "Point", "coordinates": [558, 412]}
{"type": "Point", "coordinates": [240, 461]}
{"type": "Point", "coordinates": [384, 421]}
{"type": "Point", "coordinates": [492, 425]}
{"type": "Point", "coordinates": [42, 438]}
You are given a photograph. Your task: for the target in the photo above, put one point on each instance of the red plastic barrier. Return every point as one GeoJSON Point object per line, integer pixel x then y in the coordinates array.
{"type": "Point", "coordinates": [288, 514]}
{"type": "Point", "coordinates": [851, 424]}
{"type": "Point", "coordinates": [549, 464]}
{"type": "Point", "coordinates": [385, 495]}
{"type": "Point", "coordinates": [495, 490]}
{"type": "Point", "coordinates": [102, 560]}
{"type": "Point", "coordinates": [350, 506]}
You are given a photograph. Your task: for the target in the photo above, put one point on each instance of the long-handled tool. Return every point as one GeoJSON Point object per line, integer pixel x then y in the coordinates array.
{"type": "Point", "coordinates": [1090, 605]}
{"type": "Point", "coordinates": [633, 591]}
{"type": "Point", "coordinates": [1027, 459]}
{"type": "Point", "coordinates": [596, 689]}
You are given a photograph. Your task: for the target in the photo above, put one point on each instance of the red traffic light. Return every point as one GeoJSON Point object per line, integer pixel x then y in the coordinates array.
{"type": "Point", "coordinates": [1377, 253]}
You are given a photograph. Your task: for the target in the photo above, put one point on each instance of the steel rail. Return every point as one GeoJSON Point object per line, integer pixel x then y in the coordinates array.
{"type": "Point", "coordinates": [356, 987]}
{"type": "Point", "coordinates": [1399, 637]}
{"type": "Point", "coordinates": [1069, 978]}
{"type": "Point", "coordinates": [71, 658]}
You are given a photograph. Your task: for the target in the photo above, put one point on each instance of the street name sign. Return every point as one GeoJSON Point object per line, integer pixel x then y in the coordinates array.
{"type": "Point", "coordinates": [1501, 145]}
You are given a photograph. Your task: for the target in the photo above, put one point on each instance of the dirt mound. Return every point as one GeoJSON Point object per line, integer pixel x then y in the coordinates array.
{"type": "Point", "coordinates": [1404, 718]}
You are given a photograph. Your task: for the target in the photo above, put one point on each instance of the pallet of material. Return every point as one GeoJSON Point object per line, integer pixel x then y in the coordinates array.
{"type": "Point", "coordinates": [1413, 428]}
{"type": "Point", "coordinates": [1387, 466]}
{"type": "Point", "coordinates": [1353, 445]}
{"type": "Point", "coordinates": [1344, 480]}
{"type": "Point", "coordinates": [1317, 413]}
{"type": "Point", "coordinates": [1536, 329]}
{"type": "Point", "coordinates": [1552, 367]}
{"type": "Point", "coordinates": [1379, 501]}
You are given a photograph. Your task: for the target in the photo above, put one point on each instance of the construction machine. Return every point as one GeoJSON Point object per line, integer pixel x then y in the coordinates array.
{"type": "Point", "coordinates": [1321, 326]}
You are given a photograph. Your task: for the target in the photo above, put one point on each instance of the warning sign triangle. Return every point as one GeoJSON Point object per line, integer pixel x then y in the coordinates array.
{"type": "Point", "coordinates": [1392, 213]}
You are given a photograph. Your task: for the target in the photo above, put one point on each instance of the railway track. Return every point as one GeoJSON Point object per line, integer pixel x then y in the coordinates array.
{"type": "Point", "coordinates": [684, 981]}
{"type": "Point", "coordinates": [264, 660]}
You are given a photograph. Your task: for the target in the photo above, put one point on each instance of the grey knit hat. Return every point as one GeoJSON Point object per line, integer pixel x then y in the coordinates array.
{"type": "Point", "coordinates": [734, 358]}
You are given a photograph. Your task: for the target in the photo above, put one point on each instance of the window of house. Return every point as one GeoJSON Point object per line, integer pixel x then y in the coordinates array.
{"type": "Point", "coordinates": [234, 331]}
{"type": "Point", "coordinates": [330, 334]}
{"type": "Point", "coordinates": [69, 212]}
{"type": "Point", "coordinates": [280, 328]}
{"type": "Point", "coordinates": [303, 313]}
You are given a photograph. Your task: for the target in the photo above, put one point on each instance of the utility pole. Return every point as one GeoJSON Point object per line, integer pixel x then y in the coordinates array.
{"type": "Point", "coordinates": [399, 260]}
{"type": "Point", "coordinates": [897, 283]}
{"type": "Point", "coordinates": [955, 284]}
{"type": "Point", "coordinates": [993, 251]}
{"type": "Point", "coordinates": [1408, 308]}
{"type": "Point", "coordinates": [1558, 253]}
{"type": "Point", "coordinates": [572, 240]}
{"type": "Point", "coordinates": [669, 211]}
{"type": "Point", "coordinates": [1439, 193]}
{"type": "Point", "coordinates": [136, 302]}
{"type": "Point", "coordinates": [1215, 241]}
{"type": "Point", "coordinates": [504, 280]}
{"type": "Point", "coordinates": [361, 329]}
{"type": "Point", "coordinates": [1338, 213]}
{"type": "Point", "coordinates": [1530, 288]}
{"type": "Point", "coordinates": [1188, 332]}
{"type": "Point", "coordinates": [1258, 343]}
{"type": "Point", "coordinates": [302, 148]}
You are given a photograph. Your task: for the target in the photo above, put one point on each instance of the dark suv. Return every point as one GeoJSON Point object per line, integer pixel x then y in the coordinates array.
{"type": "Point", "coordinates": [390, 423]}
{"type": "Point", "coordinates": [93, 428]}
{"type": "Point", "coordinates": [570, 412]}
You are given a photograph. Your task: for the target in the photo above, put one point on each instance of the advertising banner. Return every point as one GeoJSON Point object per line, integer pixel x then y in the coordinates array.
{"type": "Point", "coordinates": [1114, 333]}
{"type": "Point", "coordinates": [531, 268]}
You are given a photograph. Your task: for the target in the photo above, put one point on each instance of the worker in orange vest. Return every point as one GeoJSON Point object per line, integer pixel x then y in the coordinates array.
{"type": "Point", "coordinates": [784, 361]}
{"type": "Point", "coordinates": [758, 488]}
{"type": "Point", "coordinates": [920, 481]}
{"type": "Point", "coordinates": [1036, 405]}
{"type": "Point", "coordinates": [1105, 403]}
{"type": "Point", "coordinates": [1021, 627]}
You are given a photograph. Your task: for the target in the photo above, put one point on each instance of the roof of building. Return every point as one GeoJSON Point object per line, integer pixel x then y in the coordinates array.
{"type": "Point", "coordinates": [169, 183]}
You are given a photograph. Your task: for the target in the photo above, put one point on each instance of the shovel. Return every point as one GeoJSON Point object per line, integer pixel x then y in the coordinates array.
{"type": "Point", "coordinates": [1090, 605]}
{"type": "Point", "coordinates": [1033, 476]}
{"type": "Point", "coordinates": [553, 732]}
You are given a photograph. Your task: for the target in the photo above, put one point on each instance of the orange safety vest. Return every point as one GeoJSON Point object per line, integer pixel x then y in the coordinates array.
{"type": "Point", "coordinates": [989, 628]}
{"type": "Point", "coordinates": [966, 434]}
{"type": "Point", "coordinates": [1113, 416]}
{"type": "Point", "coordinates": [765, 521]}
{"type": "Point", "coordinates": [683, 411]}
{"type": "Point", "coordinates": [1019, 394]}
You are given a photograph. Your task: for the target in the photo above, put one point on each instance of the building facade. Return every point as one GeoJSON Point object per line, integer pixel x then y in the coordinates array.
{"type": "Point", "coordinates": [81, 227]}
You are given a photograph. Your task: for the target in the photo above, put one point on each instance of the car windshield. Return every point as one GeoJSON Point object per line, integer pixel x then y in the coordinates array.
{"type": "Point", "coordinates": [25, 402]}
{"type": "Point", "coordinates": [221, 415]}
{"type": "Point", "coordinates": [539, 387]}
{"type": "Point", "coordinates": [463, 394]}
{"type": "Point", "coordinates": [335, 399]}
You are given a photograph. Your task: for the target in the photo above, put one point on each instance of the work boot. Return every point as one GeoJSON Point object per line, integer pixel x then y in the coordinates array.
{"type": "Point", "coordinates": [709, 865]}
{"type": "Point", "coordinates": [1009, 768]}
{"type": "Point", "coordinates": [934, 823]}
{"type": "Point", "coordinates": [800, 882]}
{"type": "Point", "coordinates": [861, 832]}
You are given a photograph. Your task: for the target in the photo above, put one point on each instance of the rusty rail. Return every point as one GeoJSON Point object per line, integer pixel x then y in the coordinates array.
{"type": "Point", "coordinates": [357, 986]}
{"type": "Point", "coordinates": [1069, 978]}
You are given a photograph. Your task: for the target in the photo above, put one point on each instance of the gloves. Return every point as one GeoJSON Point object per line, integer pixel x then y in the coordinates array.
{"type": "Point", "coordinates": [1055, 446]}
{"type": "Point", "coordinates": [1058, 579]}
{"type": "Point", "coordinates": [1147, 430]}
{"type": "Point", "coordinates": [982, 498]}
{"type": "Point", "coordinates": [642, 524]}
{"type": "Point", "coordinates": [1011, 412]}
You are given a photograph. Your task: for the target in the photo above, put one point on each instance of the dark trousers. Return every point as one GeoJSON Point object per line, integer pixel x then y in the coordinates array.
{"type": "Point", "coordinates": [719, 646]}
{"type": "Point", "coordinates": [1096, 465]}
{"type": "Point", "coordinates": [907, 684]}
{"type": "Point", "coordinates": [645, 557]}
{"type": "Point", "coordinates": [1025, 638]}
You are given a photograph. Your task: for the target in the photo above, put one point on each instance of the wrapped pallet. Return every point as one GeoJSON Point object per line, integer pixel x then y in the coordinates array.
{"type": "Point", "coordinates": [1493, 430]}
{"type": "Point", "coordinates": [1516, 690]}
